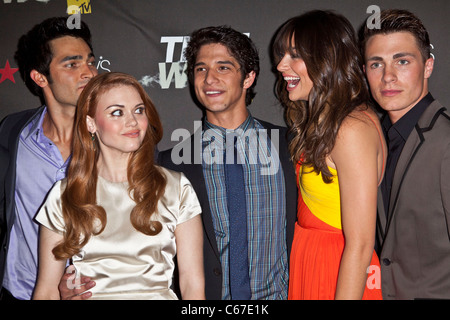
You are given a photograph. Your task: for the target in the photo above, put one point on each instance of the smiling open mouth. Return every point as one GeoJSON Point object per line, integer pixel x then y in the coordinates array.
{"type": "Point", "coordinates": [292, 82]}
{"type": "Point", "coordinates": [212, 92]}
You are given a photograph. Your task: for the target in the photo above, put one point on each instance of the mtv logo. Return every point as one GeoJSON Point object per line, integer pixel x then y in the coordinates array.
{"type": "Point", "coordinates": [78, 6]}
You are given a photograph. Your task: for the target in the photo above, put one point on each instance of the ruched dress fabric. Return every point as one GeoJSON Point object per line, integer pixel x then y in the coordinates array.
{"type": "Point", "coordinates": [125, 263]}
{"type": "Point", "coordinates": [319, 242]}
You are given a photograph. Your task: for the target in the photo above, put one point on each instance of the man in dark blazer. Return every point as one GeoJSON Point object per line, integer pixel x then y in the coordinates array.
{"type": "Point", "coordinates": [414, 202]}
{"type": "Point", "coordinates": [223, 81]}
{"type": "Point", "coordinates": [55, 63]}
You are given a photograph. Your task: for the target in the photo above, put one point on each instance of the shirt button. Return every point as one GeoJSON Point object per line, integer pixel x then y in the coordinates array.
{"type": "Point", "coordinates": [386, 261]}
{"type": "Point", "coordinates": [217, 271]}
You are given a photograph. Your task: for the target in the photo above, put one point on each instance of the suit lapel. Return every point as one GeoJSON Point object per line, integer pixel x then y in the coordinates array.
{"type": "Point", "coordinates": [291, 192]}
{"type": "Point", "coordinates": [199, 183]}
{"type": "Point", "coordinates": [289, 178]}
{"type": "Point", "coordinates": [13, 144]}
{"type": "Point", "coordinates": [381, 215]}
{"type": "Point", "coordinates": [412, 146]}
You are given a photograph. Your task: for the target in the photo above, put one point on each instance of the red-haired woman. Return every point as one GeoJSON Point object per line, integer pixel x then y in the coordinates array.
{"type": "Point", "coordinates": [120, 218]}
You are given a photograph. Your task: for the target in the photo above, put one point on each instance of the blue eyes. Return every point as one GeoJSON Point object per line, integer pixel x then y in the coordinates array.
{"type": "Point", "coordinates": [401, 62]}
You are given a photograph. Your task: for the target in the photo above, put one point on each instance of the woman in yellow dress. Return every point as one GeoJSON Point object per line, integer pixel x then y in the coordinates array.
{"type": "Point", "coordinates": [340, 155]}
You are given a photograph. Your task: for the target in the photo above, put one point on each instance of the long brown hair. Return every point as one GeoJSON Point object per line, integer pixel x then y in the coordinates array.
{"type": "Point", "coordinates": [327, 43]}
{"type": "Point", "coordinates": [146, 183]}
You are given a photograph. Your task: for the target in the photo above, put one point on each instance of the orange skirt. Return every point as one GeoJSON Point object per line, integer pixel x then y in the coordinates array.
{"type": "Point", "coordinates": [315, 258]}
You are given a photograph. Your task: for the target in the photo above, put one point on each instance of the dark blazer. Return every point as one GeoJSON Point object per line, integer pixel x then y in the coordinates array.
{"type": "Point", "coordinates": [194, 172]}
{"type": "Point", "coordinates": [10, 129]}
{"type": "Point", "coordinates": [415, 240]}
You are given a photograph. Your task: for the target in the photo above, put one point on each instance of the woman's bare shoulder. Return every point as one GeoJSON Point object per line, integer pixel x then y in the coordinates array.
{"type": "Point", "coordinates": [361, 122]}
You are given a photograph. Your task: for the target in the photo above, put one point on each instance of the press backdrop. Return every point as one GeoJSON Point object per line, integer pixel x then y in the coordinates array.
{"type": "Point", "coordinates": [146, 37]}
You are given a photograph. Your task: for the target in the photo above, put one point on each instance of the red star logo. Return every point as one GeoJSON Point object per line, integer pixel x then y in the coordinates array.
{"type": "Point", "coordinates": [7, 72]}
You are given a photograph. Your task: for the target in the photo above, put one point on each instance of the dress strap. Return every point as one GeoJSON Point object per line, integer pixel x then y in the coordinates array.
{"type": "Point", "coordinates": [297, 172]}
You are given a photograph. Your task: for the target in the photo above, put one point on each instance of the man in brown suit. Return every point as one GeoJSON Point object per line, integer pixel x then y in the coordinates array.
{"type": "Point", "coordinates": [414, 202]}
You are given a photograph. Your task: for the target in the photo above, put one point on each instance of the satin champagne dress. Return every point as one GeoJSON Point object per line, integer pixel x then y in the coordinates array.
{"type": "Point", "coordinates": [125, 263]}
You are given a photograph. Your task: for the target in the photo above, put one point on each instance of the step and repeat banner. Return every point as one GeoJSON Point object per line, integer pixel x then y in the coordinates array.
{"type": "Point", "coordinates": [145, 38]}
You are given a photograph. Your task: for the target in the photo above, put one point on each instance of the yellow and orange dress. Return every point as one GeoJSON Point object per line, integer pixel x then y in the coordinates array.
{"type": "Point", "coordinates": [319, 242]}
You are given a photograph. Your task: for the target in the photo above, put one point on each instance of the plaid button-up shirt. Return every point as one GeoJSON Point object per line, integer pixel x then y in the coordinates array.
{"type": "Point", "coordinates": [266, 208]}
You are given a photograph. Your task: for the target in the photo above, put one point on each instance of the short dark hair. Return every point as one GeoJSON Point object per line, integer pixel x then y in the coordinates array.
{"type": "Point", "coordinates": [34, 51]}
{"type": "Point", "coordinates": [239, 46]}
{"type": "Point", "coordinates": [399, 20]}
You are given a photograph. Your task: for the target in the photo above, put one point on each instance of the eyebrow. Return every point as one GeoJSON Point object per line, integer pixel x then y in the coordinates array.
{"type": "Point", "coordinates": [76, 57]}
{"type": "Point", "coordinates": [395, 56]}
{"type": "Point", "coordinates": [404, 54]}
{"type": "Point", "coordinates": [122, 106]}
{"type": "Point", "coordinates": [114, 106]}
{"type": "Point", "coordinates": [228, 62]}
{"type": "Point", "coordinates": [375, 58]}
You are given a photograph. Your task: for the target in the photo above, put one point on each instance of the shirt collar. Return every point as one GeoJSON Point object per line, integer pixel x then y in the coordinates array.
{"type": "Point", "coordinates": [221, 132]}
{"type": "Point", "coordinates": [35, 126]}
{"type": "Point", "coordinates": [406, 124]}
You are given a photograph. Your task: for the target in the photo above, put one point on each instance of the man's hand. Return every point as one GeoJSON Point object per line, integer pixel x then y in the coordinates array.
{"type": "Point", "coordinates": [73, 288]}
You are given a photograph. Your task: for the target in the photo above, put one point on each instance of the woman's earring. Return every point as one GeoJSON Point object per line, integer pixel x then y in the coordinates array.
{"type": "Point", "coordinates": [93, 136]}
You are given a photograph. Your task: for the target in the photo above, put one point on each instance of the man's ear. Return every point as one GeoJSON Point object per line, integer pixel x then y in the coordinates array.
{"type": "Point", "coordinates": [249, 79]}
{"type": "Point", "coordinates": [39, 78]}
{"type": "Point", "coordinates": [92, 128]}
{"type": "Point", "coordinates": [429, 65]}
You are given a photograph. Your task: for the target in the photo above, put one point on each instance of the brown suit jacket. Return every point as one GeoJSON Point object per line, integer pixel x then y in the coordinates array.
{"type": "Point", "coordinates": [415, 239]}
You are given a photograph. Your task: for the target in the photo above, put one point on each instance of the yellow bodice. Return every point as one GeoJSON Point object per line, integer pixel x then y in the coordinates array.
{"type": "Point", "coordinates": [322, 199]}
